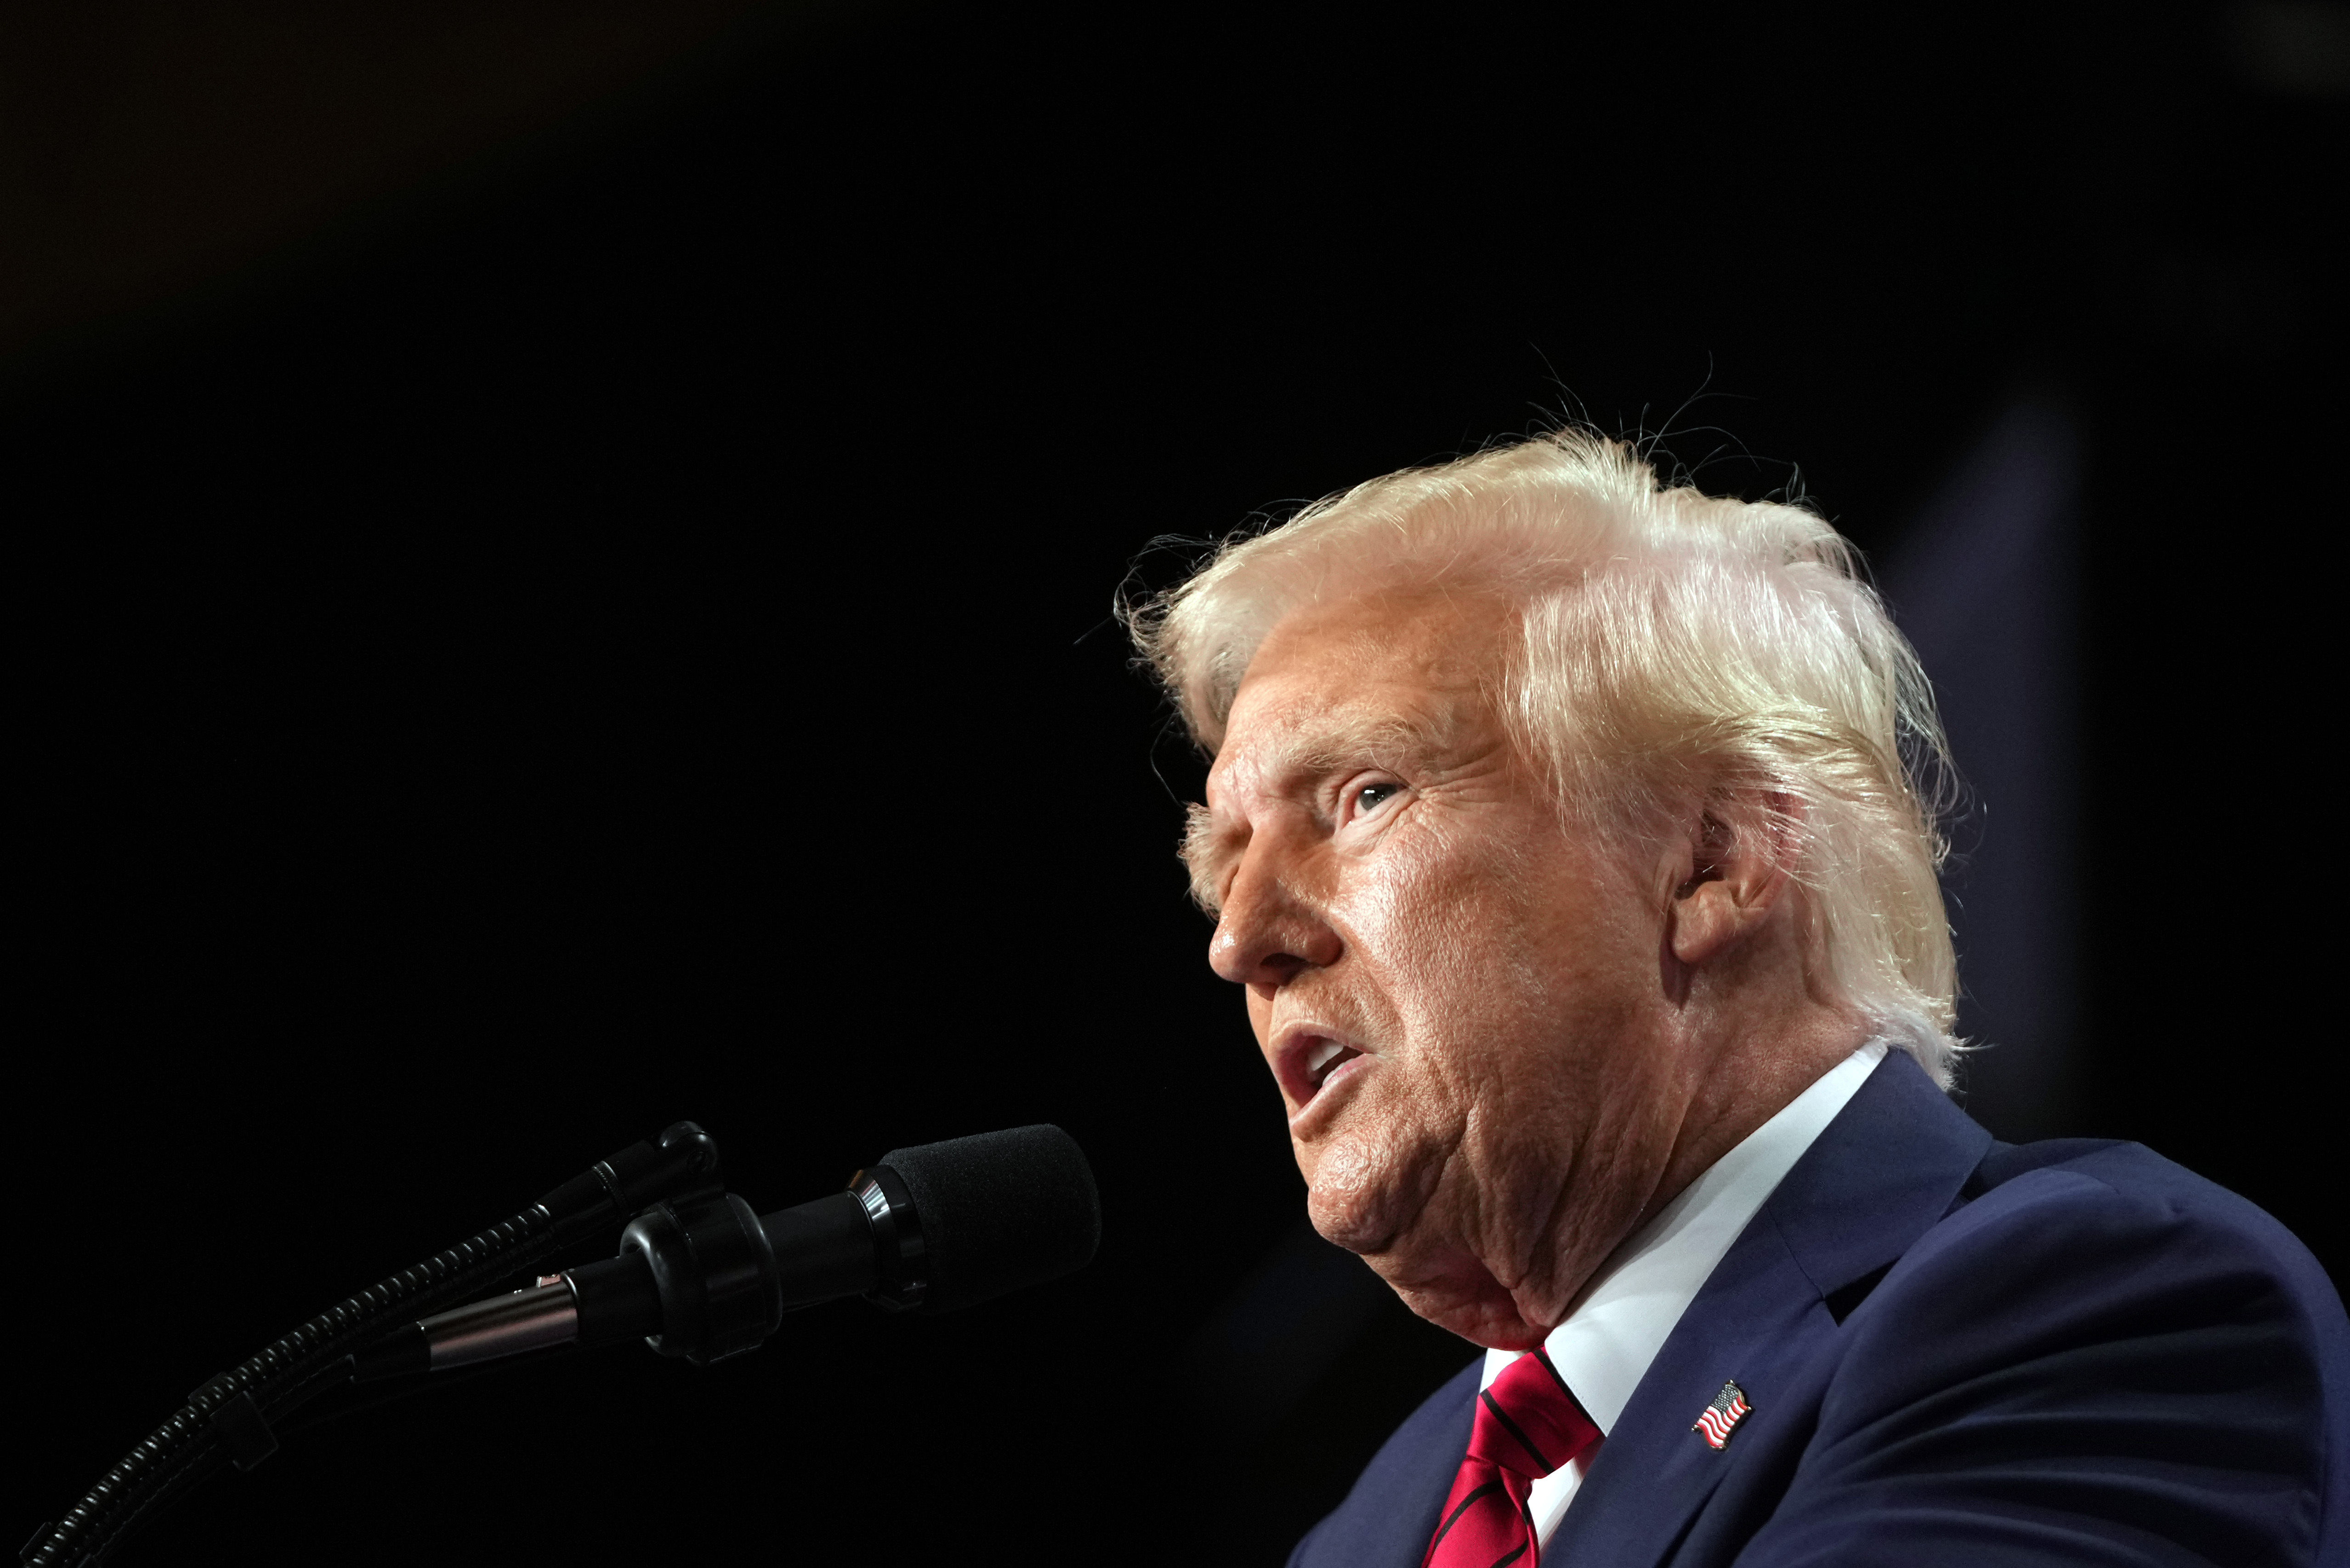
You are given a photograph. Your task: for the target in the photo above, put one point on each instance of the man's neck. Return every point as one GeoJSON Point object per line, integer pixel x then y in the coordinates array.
{"type": "Point", "coordinates": [1738, 1087]}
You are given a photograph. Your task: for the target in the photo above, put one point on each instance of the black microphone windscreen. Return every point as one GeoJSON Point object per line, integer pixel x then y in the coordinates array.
{"type": "Point", "coordinates": [1000, 1212]}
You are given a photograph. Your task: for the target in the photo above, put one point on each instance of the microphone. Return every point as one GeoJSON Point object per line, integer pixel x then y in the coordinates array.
{"type": "Point", "coordinates": [931, 1229]}
{"type": "Point", "coordinates": [699, 1275]}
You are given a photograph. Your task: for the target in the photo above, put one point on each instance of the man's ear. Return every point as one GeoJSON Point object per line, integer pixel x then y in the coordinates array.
{"type": "Point", "coordinates": [1733, 865]}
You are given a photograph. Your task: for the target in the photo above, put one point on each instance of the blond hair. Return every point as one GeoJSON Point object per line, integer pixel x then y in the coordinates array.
{"type": "Point", "coordinates": [1670, 642]}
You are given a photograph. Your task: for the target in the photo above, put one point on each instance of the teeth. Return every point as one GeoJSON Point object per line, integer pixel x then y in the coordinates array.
{"type": "Point", "coordinates": [1324, 1055]}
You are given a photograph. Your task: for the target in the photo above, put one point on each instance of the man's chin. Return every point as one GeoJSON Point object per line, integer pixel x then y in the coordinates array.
{"type": "Point", "coordinates": [1354, 1199]}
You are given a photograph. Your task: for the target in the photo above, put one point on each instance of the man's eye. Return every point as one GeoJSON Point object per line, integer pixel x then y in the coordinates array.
{"type": "Point", "coordinates": [1370, 797]}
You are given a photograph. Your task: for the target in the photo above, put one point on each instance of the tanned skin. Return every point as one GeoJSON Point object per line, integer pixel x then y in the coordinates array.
{"type": "Point", "coordinates": [1552, 1034]}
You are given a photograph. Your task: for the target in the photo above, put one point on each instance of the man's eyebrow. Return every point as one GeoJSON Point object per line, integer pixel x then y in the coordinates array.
{"type": "Point", "coordinates": [1309, 751]}
{"type": "Point", "coordinates": [1203, 858]}
{"type": "Point", "coordinates": [1383, 740]}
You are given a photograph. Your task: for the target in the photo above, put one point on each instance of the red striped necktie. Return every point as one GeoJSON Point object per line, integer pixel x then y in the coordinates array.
{"type": "Point", "coordinates": [1527, 1426]}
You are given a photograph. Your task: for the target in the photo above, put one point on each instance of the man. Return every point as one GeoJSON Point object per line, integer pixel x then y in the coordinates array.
{"type": "Point", "coordinates": [1571, 839]}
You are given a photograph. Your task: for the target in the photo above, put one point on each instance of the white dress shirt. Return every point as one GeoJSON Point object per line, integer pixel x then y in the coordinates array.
{"type": "Point", "coordinates": [1622, 1318]}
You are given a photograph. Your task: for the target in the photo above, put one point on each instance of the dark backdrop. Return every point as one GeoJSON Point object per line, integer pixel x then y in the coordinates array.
{"type": "Point", "coordinates": [623, 633]}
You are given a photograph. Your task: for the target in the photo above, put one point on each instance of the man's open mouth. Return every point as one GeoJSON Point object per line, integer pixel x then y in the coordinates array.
{"type": "Point", "coordinates": [1326, 1057]}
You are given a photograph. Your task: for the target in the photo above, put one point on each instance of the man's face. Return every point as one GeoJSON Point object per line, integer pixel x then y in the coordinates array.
{"type": "Point", "coordinates": [1460, 997]}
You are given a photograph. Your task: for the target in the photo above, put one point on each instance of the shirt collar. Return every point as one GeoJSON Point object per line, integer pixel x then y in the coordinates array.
{"type": "Point", "coordinates": [1623, 1316]}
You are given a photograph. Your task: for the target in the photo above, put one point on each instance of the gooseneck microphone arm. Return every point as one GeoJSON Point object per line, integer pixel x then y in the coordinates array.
{"type": "Point", "coordinates": [228, 1418]}
{"type": "Point", "coordinates": [699, 1276]}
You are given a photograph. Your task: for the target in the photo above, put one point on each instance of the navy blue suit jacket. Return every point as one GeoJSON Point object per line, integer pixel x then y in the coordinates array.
{"type": "Point", "coordinates": [1958, 1352]}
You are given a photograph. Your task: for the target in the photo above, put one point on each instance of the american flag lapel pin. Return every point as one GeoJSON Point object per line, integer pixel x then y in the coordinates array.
{"type": "Point", "coordinates": [1721, 1417]}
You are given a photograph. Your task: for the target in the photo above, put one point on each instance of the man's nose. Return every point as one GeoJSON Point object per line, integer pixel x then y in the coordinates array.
{"type": "Point", "coordinates": [1269, 930]}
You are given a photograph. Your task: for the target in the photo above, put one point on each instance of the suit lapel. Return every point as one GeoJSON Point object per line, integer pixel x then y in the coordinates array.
{"type": "Point", "coordinates": [1875, 1179]}
{"type": "Point", "coordinates": [1757, 1322]}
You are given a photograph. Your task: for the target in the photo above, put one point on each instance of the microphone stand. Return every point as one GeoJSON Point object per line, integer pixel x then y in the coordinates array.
{"type": "Point", "coordinates": [699, 1276]}
{"type": "Point", "coordinates": [229, 1419]}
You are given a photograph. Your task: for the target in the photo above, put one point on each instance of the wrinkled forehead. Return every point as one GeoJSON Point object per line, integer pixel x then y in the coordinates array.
{"type": "Point", "coordinates": [1381, 679]}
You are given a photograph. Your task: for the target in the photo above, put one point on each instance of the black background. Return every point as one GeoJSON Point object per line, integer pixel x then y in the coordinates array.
{"type": "Point", "coordinates": [626, 635]}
